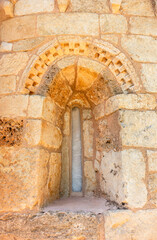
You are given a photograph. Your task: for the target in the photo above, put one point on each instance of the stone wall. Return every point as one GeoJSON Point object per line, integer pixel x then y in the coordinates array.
{"type": "Point", "coordinates": [111, 42]}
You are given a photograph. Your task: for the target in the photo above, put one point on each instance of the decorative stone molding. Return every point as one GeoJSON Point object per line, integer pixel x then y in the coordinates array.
{"type": "Point", "coordinates": [63, 5]}
{"type": "Point", "coordinates": [100, 51]}
{"type": "Point", "coordinates": [6, 9]}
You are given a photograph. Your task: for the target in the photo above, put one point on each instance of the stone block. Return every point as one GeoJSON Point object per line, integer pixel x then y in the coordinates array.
{"type": "Point", "coordinates": [127, 225]}
{"type": "Point", "coordinates": [143, 26]}
{"type": "Point", "coordinates": [99, 111]}
{"type": "Point", "coordinates": [88, 132]}
{"type": "Point", "coordinates": [11, 64]}
{"type": "Point", "coordinates": [152, 160]}
{"type": "Point", "coordinates": [70, 23]}
{"type": "Point", "coordinates": [6, 47]}
{"type": "Point", "coordinates": [87, 114]}
{"type": "Point", "coordinates": [110, 38]}
{"type": "Point", "coordinates": [54, 175]}
{"type": "Point", "coordinates": [35, 107]}
{"type": "Point", "coordinates": [66, 125]}
{"type": "Point", "coordinates": [21, 27]}
{"type": "Point", "coordinates": [152, 186]}
{"type": "Point", "coordinates": [90, 178]}
{"type": "Point", "coordinates": [13, 106]}
{"type": "Point", "coordinates": [33, 132]}
{"type": "Point", "coordinates": [138, 128]}
{"type": "Point", "coordinates": [8, 84]}
{"type": "Point", "coordinates": [65, 183]}
{"type": "Point", "coordinates": [137, 7]}
{"type": "Point", "coordinates": [139, 47]}
{"type": "Point", "coordinates": [110, 23]}
{"type": "Point", "coordinates": [23, 7]}
{"type": "Point", "coordinates": [18, 168]}
{"type": "Point", "coordinates": [111, 176]}
{"type": "Point", "coordinates": [27, 44]}
{"type": "Point", "coordinates": [133, 175]}
{"type": "Point", "coordinates": [149, 73]}
{"type": "Point", "coordinates": [130, 101]}
{"type": "Point", "coordinates": [51, 136]}
{"type": "Point", "coordinates": [98, 6]}
{"type": "Point", "coordinates": [85, 78]}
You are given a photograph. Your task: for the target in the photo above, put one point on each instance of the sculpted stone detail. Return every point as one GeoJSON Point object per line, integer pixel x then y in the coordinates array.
{"type": "Point", "coordinates": [10, 132]}
{"type": "Point", "coordinates": [102, 52]}
{"type": "Point", "coordinates": [63, 5]}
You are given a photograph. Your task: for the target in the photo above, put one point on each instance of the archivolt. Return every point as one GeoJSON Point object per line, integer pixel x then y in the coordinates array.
{"type": "Point", "coordinates": [103, 52]}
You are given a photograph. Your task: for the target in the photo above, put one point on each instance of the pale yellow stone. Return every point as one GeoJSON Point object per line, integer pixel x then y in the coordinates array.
{"type": "Point", "coordinates": [152, 186]}
{"type": "Point", "coordinates": [139, 47]}
{"type": "Point", "coordinates": [51, 136]}
{"type": "Point", "coordinates": [7, 84]}
{"type": "Point", "coordinates": [33, 132]}
{"type": "Point", "coordinates": [17, 172]}
{"type": "Point", "coordinates": [127, 225]}
{"type": "Point", "coordinates": [110, 37]}
{"type": "Point", "coordinates": [7, 8]}
{"type": "Point", "coordinates": [133, 175]}
{"type": "Point", "coordinates": [99, 111]}
{"type": "Point", "coordinates": [50, 110]}
{"type": "Point", "coordinates": [11, 64]}
{"type": "Point", "coordinates": [138, 129]}
{"type": "Point", "coordinates": [23, 7]}
{"type": "Point", "coordinates": [79, 99]}
{"type": "Point", "coordinates": [90, 178]}
{"type": "Point", "coordinates": [35, 107]}
{"type": "Point", "coordinates": [152, 160]}
{"type": "Point", "coordinates": [13, 106]}
{"type": "Point", "coordinates": [6, 47]}
{"type": "Point", "coordinates": [130, 101]}
{"type": "Point", "coordinates": [21, 27]}
{"type": "Point", "coordinates": [143, 26]}
{"type": "Point", "coordinates": [27, 44]}
{"type": "Point", "coordinates": [115, 7]}
{"type": "Point", "coordinates": [91, 65]}
{"type": "Point", "coordinates": [149, 73]}
{"type": "Point", "coordinates": [137, 7]}
{"type": "Point", "coordinates": [54, 175]}
{"type": "Point", "coordinates": [70, 23]}
{"type": "Point", "coordinates": [66, 62]}
{"type": "Point", "coordinates": [110, 23]}
{"type": "Point", "coordinates": [63, 5]}
{"type": "Point", "coordinates": [88, 132]}
{"type": "Point", "coordinates": [96, 6]}
{"type": "Point", "coordinates": [66, 125]}
{"type": "Point", "coordinates": [111, 181]}
{"type": "Point", "coordinates": [65, 183]}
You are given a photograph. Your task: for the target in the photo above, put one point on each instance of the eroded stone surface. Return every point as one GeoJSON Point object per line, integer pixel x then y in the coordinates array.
{"type": "Point", "coordinates": [138, 128]}
{"type": "Point", "coordinates": [20, 166]}
{"type": "Point", "coordinates": [27, 44]}
{"type": "Point", "coordinates": [152, 160]}
{"type": "Point", "coordinates": [96, 6]}
{"type": "Point", "coordinates": [137, 7]}
{"type": "Point", "coordinates": [148, 28]}
{"type": "Point", "coordinates": [90, 178]}
{"type": "Point", "coordinates": [152, 185]}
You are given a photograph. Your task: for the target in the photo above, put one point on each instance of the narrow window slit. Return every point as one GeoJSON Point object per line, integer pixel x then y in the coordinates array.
{"type": "Point", "coordinates": [76, 151]}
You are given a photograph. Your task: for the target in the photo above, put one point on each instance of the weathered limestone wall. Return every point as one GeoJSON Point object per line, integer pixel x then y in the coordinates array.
{"type": "Point", "coordinates": [28, 30]}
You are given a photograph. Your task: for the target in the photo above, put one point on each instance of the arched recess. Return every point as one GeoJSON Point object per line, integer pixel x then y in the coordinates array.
{"type": "Point", "coordinates": [72, 72]}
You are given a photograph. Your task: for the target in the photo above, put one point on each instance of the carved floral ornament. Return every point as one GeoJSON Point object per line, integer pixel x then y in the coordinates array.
{"type": "Point", "coordinates": [100, 51]}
